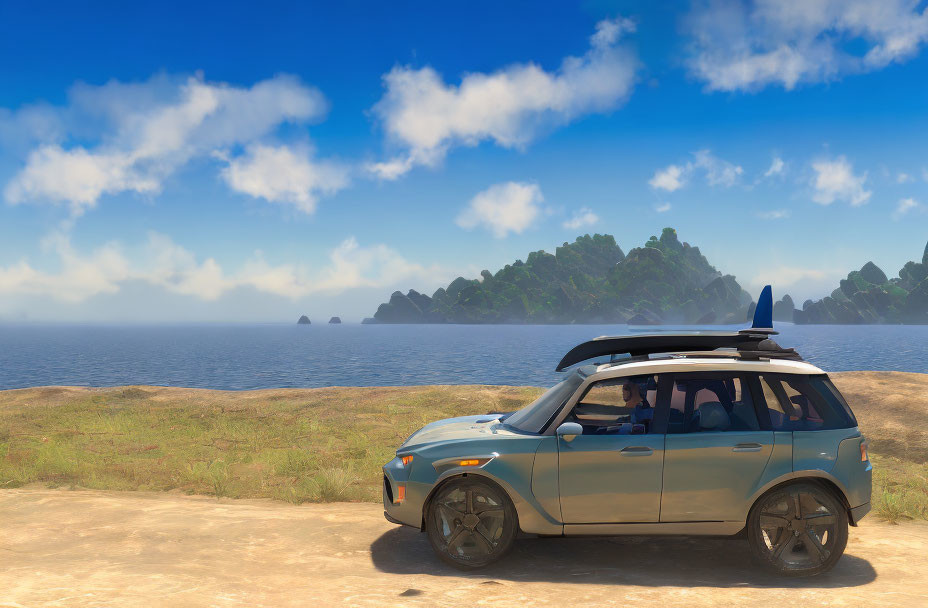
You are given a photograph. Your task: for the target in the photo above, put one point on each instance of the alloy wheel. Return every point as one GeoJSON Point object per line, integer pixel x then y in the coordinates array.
{"type": "Point", "coordinates": [471, 523]}
{"type": "Point", "coordinates": [800, 530]}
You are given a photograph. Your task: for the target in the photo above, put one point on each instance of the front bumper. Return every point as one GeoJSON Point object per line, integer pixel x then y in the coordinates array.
{"type": "Point", "coordinates": [392, 519]}
{"type": "Point", "coordinates": [857, 513]}
{"type": "Point", "coordinates": [407, 512]}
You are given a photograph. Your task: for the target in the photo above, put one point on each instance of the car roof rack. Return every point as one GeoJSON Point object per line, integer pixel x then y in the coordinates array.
{"type": "Point", "coordinates": [751, 344]}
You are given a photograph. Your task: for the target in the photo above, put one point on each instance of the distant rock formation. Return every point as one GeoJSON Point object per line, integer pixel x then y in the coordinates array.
{"type": "Point", "coordinates": [868, 296]}
{"type": "Point", "coordinates": [369, 321]}
{"type": "Point", "coordinates": [304, 320]}
{"type": "Point", "coordinates": [335, 321]}
{"type": "Point", "coordinates": [588, 281]}
{"type": "Point", "coordinates": [783, 309]}
{"type": "Point", "coordinates": [666, 281]}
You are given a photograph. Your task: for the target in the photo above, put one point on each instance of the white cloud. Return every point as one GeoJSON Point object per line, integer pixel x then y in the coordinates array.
{"type": "Point", "coordinates": [503, 208]}
{"type": "Point", "coordinates": [581, 218]}
{"type": "Point", "coordinates": [141, 133]}
{"type": "Point", "coordinates": [284, 175]}
{"type": "Point", "coordinates": [904, 206]}
{"type": "Point", "coordinates": [776, 167]}
{"type": "Point", "coordinates": [77, 177]}
{"type": "Point", "coordinates": [424, 117]}
{"type": "Point", "coordinates": [77, 278]}
{"type": "Point", "coordinates": [739, 45]}
{"type": "Point", "coordinates": [670, 178]}
{"type": "Point", "coordinates": [176, 269]}
{"type": "Point", "coordinates": [775, 214]}
{"type": "Point", "coordinates": [904, 178]}
{"type": "Point", "coordinates": [662, 208]}
{"type": "Point", "coordinates": [835, 180]}
{"type": "Point", "coordinates": [718, 172]}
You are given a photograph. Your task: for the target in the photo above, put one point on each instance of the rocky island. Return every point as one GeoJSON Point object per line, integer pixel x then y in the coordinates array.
{"type": "Point", "coordinates": [588, 281]}
{"type": "Point", "coordinates": [867, 296]}
{"type": "Point", "coordinates": [304, 320]}
{"type": "Point", "coordinates": [665, 281]}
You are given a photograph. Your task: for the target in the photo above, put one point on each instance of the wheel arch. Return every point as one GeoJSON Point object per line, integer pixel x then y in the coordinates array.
{"type": "Point", "coordinates": [482, 476]}
{"type": "Point", "coordinates": [818, 477]}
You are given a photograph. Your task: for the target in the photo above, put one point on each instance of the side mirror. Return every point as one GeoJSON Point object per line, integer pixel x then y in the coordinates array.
{"type": "Point", "coordinates": [569, 431]}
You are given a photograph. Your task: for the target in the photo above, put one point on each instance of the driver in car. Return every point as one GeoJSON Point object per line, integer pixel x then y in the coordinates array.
{"type": "Point", "coordinates": [642, 413]}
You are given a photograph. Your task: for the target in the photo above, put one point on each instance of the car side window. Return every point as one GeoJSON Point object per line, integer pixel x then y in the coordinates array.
{"type": "Point", "coordinates": [617, 406]}
{"type": "Point", "coordinates": [713, 402]}
{"type": "Point", "coordinates": [803, 403]}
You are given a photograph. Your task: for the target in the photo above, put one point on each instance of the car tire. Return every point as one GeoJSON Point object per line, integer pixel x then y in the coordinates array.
{"type": "Point", "coordinates": [799, 529]}
{"type": "Point", "coordinates": [471, 523]}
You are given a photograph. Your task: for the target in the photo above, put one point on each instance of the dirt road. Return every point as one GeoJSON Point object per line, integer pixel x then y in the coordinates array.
{"type": "Point", "coordinates": [90, 548]}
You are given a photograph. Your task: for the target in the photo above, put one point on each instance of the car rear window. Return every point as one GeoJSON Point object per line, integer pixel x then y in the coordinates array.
{"type": "Point", "coordinates": [805, 403]}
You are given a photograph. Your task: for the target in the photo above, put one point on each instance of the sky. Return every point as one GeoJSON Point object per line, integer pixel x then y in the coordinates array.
{"type": "Point", "coordinates": [242, 162]}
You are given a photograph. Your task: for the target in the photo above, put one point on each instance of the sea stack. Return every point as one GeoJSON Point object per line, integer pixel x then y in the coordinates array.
{"type": "Point", "coordinates": [304, 320]}
{"type": "Point", "coordinates": [335, 320]}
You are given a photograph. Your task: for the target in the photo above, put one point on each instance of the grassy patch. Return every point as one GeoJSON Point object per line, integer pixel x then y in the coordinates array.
{"type": "Point", "coordinates": [317, 445]}
{"type": "Point", "coordinates": [900, 489]}
{"type": "Point", "coordinates": [320, 445]}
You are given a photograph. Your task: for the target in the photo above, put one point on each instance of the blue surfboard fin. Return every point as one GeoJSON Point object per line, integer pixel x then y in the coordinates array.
{"type": "Point", "coordinates": [763, 314]}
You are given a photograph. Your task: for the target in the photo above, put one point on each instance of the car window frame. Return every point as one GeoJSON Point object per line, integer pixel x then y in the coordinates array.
{"type": "Point", "coordinates": [719, 374]}
{"type": "Point", "coordinates": [757, 394]}
{"type": "Point", "coordinates": [787, 406]}
{"type": "Point", "coordinates": [658, 422]}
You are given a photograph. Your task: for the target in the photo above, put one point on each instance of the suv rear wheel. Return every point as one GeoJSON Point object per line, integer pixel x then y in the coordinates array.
{"type": "Point", "coordinates": [798, 530]}
{"type": "Point", "coordinates": [470, 523]}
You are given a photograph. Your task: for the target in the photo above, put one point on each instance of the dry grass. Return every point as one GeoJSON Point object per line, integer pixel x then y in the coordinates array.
{"type": "Point", "coordinates": [329, 444]}
{"type": "Point", "coordinates": [296, 445]}
{"type": "Point", "coordinates": [892, 410]}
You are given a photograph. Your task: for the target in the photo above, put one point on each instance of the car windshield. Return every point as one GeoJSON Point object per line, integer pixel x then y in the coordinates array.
{"type": "Point", "coordinates": [533, 417]}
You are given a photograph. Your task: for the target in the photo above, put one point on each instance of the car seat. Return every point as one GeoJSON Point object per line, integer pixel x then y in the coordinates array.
{"type": "Point", "coordinates": [713, 417]}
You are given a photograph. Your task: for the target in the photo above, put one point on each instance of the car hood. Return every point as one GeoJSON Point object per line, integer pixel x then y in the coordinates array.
{"type": "Point", "coordinates": [464, 427]}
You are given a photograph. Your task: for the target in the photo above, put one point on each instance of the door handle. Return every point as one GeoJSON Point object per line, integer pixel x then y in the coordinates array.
{"type": "Point", "coordinates": [747, 447]}
{"type": "Point", "coordinates": [637, 450]}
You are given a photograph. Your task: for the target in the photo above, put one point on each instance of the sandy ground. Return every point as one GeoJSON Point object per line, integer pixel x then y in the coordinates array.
{"type": "Point", "coordinates": [93, 548]}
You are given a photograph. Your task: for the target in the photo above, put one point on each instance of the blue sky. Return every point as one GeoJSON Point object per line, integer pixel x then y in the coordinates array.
{"type": "Point", "coordinates": [230, 162]}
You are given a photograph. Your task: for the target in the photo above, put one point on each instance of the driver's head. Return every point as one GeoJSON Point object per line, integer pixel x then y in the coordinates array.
{"type": "Point", "coordinates": [630, 392]}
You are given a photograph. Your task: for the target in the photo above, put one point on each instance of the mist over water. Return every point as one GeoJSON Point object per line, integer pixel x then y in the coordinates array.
{"type": "Point", "coordinates": [237, 357]}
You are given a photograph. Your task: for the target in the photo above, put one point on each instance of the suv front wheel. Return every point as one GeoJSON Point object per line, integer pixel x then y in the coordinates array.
{"type": "Point", "coordinates": [798, 530]}
{"type": "Point", "coordinates": [470, 523]}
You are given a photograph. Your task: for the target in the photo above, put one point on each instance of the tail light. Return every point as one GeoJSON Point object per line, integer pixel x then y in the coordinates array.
{"type": "Point", "coordinates": [864, 456]}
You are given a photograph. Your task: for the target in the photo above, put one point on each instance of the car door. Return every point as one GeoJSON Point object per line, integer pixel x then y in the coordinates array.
{"type": "Point", "coordinates": [715, 450]}
{"type": "Point", "coordinates": [604, 476]}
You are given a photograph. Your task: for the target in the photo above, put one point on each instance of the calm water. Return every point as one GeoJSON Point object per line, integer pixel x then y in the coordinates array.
{"type": "Point", "coordinates": [269, 356]}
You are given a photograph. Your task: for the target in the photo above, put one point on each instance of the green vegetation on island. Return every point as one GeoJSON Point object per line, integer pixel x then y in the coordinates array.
{"type": "Point", "coordinates": [665, 281]}
{"type": "Point", "coordinates": [868, 296]}
{"type": "Point", "coordinates": [588, 281]}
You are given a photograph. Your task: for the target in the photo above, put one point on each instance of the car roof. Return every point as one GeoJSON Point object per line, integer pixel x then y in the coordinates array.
{"type": "Point", "coordinates": [689, 363]}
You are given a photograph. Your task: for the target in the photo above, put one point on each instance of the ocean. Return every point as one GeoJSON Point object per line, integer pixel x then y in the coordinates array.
{"type": "Point", "coordinates": [240, 357]}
